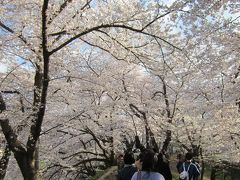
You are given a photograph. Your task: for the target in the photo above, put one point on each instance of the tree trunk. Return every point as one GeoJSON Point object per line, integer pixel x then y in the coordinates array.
{"type": "Point", "coordinates": [4, 162]}
{"type": "Point", "coordinates": [169, 115]}
{"type": "Point", "coordinates": [24, 158]}
{"type": "Point", "coordinates": [36, 161]}
{"type": "Point", "coordinates": [213, 173]}
{"type": "Point", "coordinates": [147, 137]}
{"type": "Point", "coordinates": [138, 143]}
{"type": "Point", "coordinates": [25, 165]}
{"type": "Point", "coordinates": [27, 157]}
{"type": "Point", "coordinates": [153, 142]}
{"type": "Point", "coordinates": [167, 141]}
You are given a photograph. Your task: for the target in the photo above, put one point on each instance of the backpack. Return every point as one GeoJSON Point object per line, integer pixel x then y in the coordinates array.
{"type": "Point", "coordinates": [184, 174]}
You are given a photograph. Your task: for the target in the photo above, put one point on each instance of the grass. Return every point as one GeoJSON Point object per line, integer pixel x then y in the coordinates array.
{"type": "Point", "coordinates": [175, 176]}
{"type": "Point", "coordinates": [98, 174]}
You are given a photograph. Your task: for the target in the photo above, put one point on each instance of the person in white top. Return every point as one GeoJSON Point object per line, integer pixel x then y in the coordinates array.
{"type": "Point", "coordinates": [147, 170]}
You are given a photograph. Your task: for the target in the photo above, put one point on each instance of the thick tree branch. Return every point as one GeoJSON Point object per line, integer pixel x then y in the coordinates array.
{"type": "Point", "coordinates": [36, 126]}
{"type": "Point", "coordinates": [14, 144]}
{"type": "Point", "coordinates": [104, 26]}
{"type": "Point", "coordinates": [91, 160]}
{"type": "Point", "coordinates": [136, 111]}
{"type": "Point", "coordinates": [88, 131]}
{"type": "Point", "coordinates": [6, 27]}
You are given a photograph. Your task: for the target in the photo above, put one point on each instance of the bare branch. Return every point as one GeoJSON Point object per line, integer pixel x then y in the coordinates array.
{"type": "Point", "coordinates": [11, 72]}
{"type": "Point", "coordinates": [20, 37]}
{"type": "Point", "coordinates": [62, 7]}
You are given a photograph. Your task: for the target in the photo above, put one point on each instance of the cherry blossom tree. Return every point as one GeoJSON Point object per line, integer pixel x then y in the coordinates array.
{"type": "Point", "coordinates": [175, 61]}
{"type": "Point", "coordinates": [61, 26]}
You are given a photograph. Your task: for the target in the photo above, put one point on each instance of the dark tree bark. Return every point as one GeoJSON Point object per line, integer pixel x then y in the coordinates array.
{"type": "Point", "coordinates": [213, 173]}
{"type": "Point", "coordinates": [150, 139]}
{"type": "Point", "coordinates": [169, 115]}
{"type": "Point", "coordinates": [20, 153]}
{"type": "Point", "coordinates": [4, 162]}
{"type": "Point", "coordinates": [2, 104]}
{"type": "Point", "coordinates": [28, 157]}
{"type": "Point", "coordinates": [7, 152]}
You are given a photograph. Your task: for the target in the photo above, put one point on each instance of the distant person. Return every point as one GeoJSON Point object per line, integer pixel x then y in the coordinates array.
{"type": "Point", "coordinates": [147, 170]}
{"type": "Point", "coordinates": [163, 167]}
{"type": "Point", "coordinates": [128, 170]}
{"type": "Point", "coordinates": [191, 168]}
{"type": "Point", "coordinates": [120, 162]}
{"type": "Point", "coordinates": [138, 163]}
{"type": "Point", "coordinates": [180, 159]}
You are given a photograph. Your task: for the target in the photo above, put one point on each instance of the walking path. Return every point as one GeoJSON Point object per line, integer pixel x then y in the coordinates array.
{"type": "Point", "coordinates": [110, 174]}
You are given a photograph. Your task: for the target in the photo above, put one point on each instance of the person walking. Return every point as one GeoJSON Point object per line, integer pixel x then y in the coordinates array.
{"type": "Point", "coordinates": [128, 170]}
{"type": "Point", "coordinates": [147, 171]}
{"type": "Point", "coordinates": [189, 170]}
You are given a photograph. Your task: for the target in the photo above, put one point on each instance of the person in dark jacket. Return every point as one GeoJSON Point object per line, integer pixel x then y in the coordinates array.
{"type": "Point", "coordinates": [163, 167]}
{"type": "Point", "coordinates": [180, 159]}
{"type": "Point", "coordinates": [128, 170]}
{"type": "Point", "coordinates": [191, 167]}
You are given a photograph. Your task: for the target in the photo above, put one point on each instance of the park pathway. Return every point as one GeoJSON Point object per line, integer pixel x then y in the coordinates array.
{"type": "Point", "coordinates": [110, 174]}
